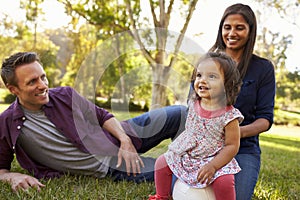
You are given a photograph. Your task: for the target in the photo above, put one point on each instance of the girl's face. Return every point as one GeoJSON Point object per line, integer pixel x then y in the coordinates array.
{"type": "Point", "coordinates": [235, 32]}
{"type": "Point", "coordinates": [209, 82]}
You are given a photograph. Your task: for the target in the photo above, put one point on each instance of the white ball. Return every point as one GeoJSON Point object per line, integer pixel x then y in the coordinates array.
{"type": "Point", "coordinates": [182, 191]}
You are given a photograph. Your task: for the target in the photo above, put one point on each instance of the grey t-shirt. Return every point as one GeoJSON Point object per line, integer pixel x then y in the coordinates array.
{"type": "Point", "coordinates": [45, 144]}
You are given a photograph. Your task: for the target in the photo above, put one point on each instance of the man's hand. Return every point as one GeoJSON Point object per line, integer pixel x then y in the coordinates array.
{"type": "Point", "coordinates": [132, 160]}
{"type": "Point", "coordinates": [127, 150]}
{"type": "Point", "coordinates": [20, 181]}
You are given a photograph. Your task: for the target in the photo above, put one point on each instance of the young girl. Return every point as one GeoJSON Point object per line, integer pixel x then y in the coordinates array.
{"type": "Point", "coordinates": [204, 153]}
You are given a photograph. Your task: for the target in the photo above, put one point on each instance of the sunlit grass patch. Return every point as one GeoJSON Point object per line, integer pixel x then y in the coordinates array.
{"type": "Point", "coordinates": [280, 171]}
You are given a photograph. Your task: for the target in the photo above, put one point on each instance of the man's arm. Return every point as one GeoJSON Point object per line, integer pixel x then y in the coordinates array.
{"type": "Point", "coordinates": [127, 150]}
{"type": "Point", "coordinates": [19, 181]}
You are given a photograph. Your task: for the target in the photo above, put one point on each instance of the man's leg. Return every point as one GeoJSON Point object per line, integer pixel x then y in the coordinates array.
{"type": "Point", "coordinates": [246, 179]}
{"type": "Point", "coordinates": [120, 174]}
{"type": "Point", "coordinates": [152, 128]}
{"type": "Point", "coordinates": [158, 125]}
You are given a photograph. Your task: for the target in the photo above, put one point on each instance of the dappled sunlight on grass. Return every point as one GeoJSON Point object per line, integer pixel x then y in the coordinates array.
{"type": "Point", "coordinates": [283, 144]}
{"type": "Point", "coordinates": [292, 132]}
{"type": "Point", "coordinates": [159, 149]}
{"type": "Point", "coordinates": [280, 172]}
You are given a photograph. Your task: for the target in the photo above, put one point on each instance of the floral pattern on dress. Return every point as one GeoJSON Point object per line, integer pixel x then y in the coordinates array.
{"type": "Point", "coordinates": [201, 141]}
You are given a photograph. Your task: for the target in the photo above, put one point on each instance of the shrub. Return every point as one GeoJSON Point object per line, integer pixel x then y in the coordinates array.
{"type": "Point", "coordinates": [9, 98]}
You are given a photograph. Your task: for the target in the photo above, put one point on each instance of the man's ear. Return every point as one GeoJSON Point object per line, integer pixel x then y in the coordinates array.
{"type": "Point", "coordinates": [12, 89]}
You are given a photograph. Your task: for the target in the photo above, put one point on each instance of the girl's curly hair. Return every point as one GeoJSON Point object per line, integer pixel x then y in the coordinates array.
{"type": "Point", "coordinates": [232, 78]}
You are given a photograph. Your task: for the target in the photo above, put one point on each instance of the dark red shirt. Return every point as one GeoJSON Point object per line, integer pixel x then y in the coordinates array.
{"type": "Point", "coordinates": [74, 116]}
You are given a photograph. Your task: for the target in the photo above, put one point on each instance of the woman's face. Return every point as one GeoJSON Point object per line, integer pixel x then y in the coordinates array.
{"type": "Point", "coordinates": [235, 32]}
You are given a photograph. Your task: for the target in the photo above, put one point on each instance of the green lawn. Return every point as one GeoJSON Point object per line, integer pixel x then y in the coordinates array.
{"type": "Point", "coordinates": [280, 170]}
{"type": "Point", "coordinates": [279, 177]}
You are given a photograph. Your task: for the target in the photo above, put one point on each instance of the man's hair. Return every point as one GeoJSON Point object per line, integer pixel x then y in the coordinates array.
{"type": "Point", "coordinates": [10, 64]}
{"type": "Point", "coordinates": [232, 78]}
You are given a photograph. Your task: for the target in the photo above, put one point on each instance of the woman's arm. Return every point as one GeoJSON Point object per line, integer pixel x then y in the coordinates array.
{"type": "Point", "coordinates": [258, 126]}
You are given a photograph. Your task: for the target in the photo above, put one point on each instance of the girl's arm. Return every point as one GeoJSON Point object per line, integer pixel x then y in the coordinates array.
{"type": "Point", "coordinates": [232, 144]}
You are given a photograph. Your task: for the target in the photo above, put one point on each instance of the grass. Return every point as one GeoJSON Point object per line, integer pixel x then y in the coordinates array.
{"type": "Point", "coordinates": [81, 187]}
{"type": "Point", "coordinates": [280, 171]}
{"type": "Point", "coordinates": [287, 118]}
{"type": "Point", "coordinates": [278, 180]}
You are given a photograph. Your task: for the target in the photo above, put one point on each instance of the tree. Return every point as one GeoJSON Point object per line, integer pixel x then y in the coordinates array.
{"type": "Point", "coordinates": [17, 36]}
{"type": "Point", "coordinates": [83, 42]}
{"type": "Point", "coordinates": [274, 46]}
{"type": "Point", "coordinates": [159, 62]}
{"type": "Point", "coordinates": [115, 16]}
{"type": "Point", "coordinates": [33, 11]}
{"type": "Point", "coordinates": [286, 9]}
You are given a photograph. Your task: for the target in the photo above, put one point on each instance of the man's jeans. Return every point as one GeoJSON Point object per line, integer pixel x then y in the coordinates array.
{"type": "Point", "coordinates": [152, 127]}
{"type": "Point", "coordinates": [246, 179]}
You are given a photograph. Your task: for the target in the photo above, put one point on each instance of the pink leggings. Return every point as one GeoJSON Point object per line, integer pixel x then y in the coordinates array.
{"type": "Point", "coordinates": [223, 186]}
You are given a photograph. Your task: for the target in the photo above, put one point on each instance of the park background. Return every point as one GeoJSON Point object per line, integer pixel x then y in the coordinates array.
{"type": "Point", "coordinates": [129, 58]}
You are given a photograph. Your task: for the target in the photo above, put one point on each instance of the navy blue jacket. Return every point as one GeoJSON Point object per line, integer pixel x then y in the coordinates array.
{"type": "Point", "coordinates": [256, 99]}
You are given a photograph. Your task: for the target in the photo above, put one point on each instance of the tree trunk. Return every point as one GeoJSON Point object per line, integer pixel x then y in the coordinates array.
{"type": "Point", "coordinates": [160, 79]}
{"type": "Point", "coordinates": [120, 68]}
{"type": "Point", "coordinates": [160, 75]}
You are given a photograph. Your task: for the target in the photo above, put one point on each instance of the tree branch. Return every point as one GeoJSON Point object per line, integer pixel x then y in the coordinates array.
{"type": "Point", "coordinates": [136, 36]}
{"type": "Point", "coordinates": [170, 7]}
{"type": "Point", "coordinates": [155, 21]}
{"type": "Point", "coordinates": [183, 31]}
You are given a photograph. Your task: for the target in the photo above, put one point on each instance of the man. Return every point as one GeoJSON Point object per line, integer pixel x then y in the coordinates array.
{"type": "Point", "coordinates": [56, 131]}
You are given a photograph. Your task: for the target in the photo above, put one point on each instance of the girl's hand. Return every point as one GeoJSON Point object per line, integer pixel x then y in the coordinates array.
{"type": "Point", "coordinates": [206, 173]}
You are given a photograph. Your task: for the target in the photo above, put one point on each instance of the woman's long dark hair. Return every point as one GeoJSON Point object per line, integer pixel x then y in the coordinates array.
{"type": "Point", "coordinates": [250, 18]}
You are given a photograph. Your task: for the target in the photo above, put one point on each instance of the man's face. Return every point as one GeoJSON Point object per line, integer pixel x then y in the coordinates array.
{"type": "Point", "coordinates": [32, 86]}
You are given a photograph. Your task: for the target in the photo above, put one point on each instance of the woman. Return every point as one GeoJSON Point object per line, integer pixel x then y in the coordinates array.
{"type": "Point", "coordinates": [236, 37]}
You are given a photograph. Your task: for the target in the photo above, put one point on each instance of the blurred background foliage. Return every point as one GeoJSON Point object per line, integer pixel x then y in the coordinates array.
{"type": "Point", "coordinates": [143, 72]}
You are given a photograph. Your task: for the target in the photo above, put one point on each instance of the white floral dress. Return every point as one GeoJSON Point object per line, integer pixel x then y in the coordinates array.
{"type": "Point", "coordinates": [201, 141]}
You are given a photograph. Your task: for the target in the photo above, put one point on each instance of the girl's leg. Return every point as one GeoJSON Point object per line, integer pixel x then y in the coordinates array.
{"type": "Point", "coordinates": [224, 187]}
{"type": "Point", "coordinates": [163, 179]}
